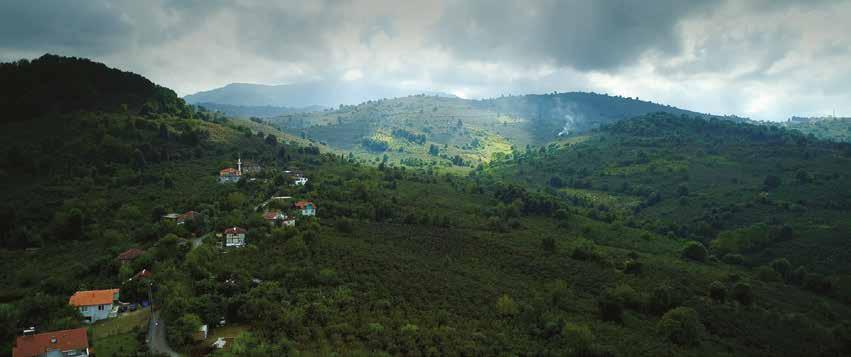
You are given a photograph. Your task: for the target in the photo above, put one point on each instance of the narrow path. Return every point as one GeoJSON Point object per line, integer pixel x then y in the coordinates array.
{"type": "Point", "coordinates": [156, 337]}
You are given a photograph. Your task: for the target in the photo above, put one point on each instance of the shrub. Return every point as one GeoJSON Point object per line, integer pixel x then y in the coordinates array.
{"type": "Point", "coordinates": [578, 338]}
{"type": "Point", "coordinates": [817, 283]}
{"type": "Point", "coordinates": [549, 245]}
{"type": "Point", "coordinates": [768, 275]}
{"type": "Point", "coordinates": [633, 267]}
{"type": "Point", "coordinates": [695, 251]}
{"type": "Point", "coordinates": [717, 291]}
{"type": "Point", "coordinates": [733, 259]}
{"type": "Point", "coordinates": [681, 326]}
{"type": "Point", "coordinates": [798, 276]}
{"type": "Point", "coordinates": [743, 293]}
{"type": "Point", "coordinates": [610, 308]}
{"type": "Point", "coordinates": [584, 252]}
{"type": "Point", "coordinates": [506, 307]}
{"type": "Point", "coordinates": [782, 267]}
{"type": "Point", "coordinates": [662, 298]}
{"type": "Point", "coordinates": [626, 296]}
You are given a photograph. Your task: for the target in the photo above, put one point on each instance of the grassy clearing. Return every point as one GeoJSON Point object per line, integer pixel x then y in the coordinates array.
{"type": "Point", "coordinates": [122, 324]}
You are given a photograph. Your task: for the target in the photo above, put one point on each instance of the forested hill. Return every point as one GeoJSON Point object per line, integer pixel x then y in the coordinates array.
{"type": "Point", "coordinates": [753, 190]}
{"type": "Point", "coordinates": [54, 84]}
{"type": "Point", "coordinates": [432, 130]}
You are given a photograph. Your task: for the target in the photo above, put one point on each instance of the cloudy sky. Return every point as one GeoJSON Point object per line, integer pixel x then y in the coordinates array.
{"type": "Point", "coordinates": [766, 59]}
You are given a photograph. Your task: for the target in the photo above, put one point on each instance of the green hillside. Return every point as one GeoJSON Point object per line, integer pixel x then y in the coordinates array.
{"type": "Point", "coordinates": [414, 261]}
{"type": "Point", "coordinates": [835, 129]}
{"type": "Point", "coordinates": [760, 191]}
{"type": "Point", "coordinates": [452, 132]}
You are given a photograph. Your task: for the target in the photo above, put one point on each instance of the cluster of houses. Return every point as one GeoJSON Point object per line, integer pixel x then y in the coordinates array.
{"type": "Point", "coordinates": [96, 305]}
{"type": "Point", "coordinates": [234, 237]}
{"type": "Point", "coordinates": [233, 175]}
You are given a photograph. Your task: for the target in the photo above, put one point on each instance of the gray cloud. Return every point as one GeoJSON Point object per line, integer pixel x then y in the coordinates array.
{"type": "Point", "coordinates": [763, 58]}
{"type": "Point", "coordinates": [586, 35]}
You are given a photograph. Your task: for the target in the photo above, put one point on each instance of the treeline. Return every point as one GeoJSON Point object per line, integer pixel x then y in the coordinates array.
{"type": "Point", "coordinates": [54, 84]}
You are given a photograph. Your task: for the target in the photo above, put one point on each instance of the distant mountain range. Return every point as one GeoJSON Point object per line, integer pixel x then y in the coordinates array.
{"type": "Point", "coordinates": [322, 93]}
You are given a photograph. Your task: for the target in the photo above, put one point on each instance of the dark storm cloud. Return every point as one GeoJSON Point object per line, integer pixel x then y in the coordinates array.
{"type": "Point", "coordinates": [763, 58]}
{"type": "Point", "coordinates": [80, 26]}
{"type": "Point", "coordinates": [585, 35]}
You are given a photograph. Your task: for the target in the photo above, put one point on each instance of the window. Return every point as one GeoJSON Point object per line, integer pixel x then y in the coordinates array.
{"type": "Point", "coordinates": [100, 307]}
{"type": "Point", "coordinates": [84, 308]}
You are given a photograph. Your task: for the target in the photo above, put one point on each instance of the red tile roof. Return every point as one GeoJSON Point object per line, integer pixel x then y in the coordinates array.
{"type": "Point", "coordinates": [271, 215]}
{"type": "Point", "coordinates": [93, 297]}
{"type": "Point", "coordinates": [188, 216]}
{"type": "Point", "coordinates": [131, 254]}
{"type": "Point", "coordinates": [303, 204]}
{"type": "Point", "coordinates": [228, 171]}
{"type": "Point", "coordinates": [235, 230]}
{"type": "Point", "coordinates": [36, 345]}
{"type": "Point", "coordinates": [145, 273]}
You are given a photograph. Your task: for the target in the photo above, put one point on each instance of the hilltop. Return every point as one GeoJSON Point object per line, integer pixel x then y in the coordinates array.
{"type": "Point", "coordinates": [427, 130]}
{"type": "Point", "coordinates": [321, 93]}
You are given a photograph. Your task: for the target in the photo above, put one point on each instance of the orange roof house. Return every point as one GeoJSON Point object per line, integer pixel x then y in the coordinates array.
{"type": "Point", "coordinates": [93, 297]}
{"type": "Point", "coordinates": [60, 341]}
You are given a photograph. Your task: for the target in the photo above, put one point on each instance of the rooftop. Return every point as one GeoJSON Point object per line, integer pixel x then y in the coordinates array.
{"type": "Point", "coordinates": [94, 297]}
{"type": "Point", "coordinates": [64, 340]}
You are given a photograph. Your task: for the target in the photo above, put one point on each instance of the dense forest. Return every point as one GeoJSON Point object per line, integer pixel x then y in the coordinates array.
{"type": "Point", "coordinates": [660, 235]}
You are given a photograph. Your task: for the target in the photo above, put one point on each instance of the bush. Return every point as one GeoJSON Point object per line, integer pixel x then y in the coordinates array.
{"type": "Point", "coordinates": [626, 296]}
{"type": "Point", "coordinates": [695, 251]}
{"type": "Point", "coordinates": [768, 275]}
{"type": "Point", "coordinates": [681, 326]}
{"type": "Point", "coordinates": [610, 308]}
{"type": "Point", "coordinates": [633, 267]}
{"type": "Point", "coordinates": [663, 298]}
{"type": "Point", "coordinates": [798, 276]}
{"type": "Point", "coordinates": [717, 291]}
{"type": "Point", "coordinates": [733, 259]}
{"type": "Point", "coordinates": [782, 267]}
{"type": "Point", "coordinates": [506, 307]}
{"type": "Point", "coordinates": [578, 339]}
{"type": "Point", "coordinates": [549, 245]}
{"type": "Point", "coordinates": [743, 293]}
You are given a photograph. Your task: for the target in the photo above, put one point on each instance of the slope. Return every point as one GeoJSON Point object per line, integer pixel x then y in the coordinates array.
{"type": "Point", "coordinates": [429, 130]}
{"type": "Point", "coordinates": [742, 189]}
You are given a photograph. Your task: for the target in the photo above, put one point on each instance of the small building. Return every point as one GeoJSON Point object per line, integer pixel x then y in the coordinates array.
{"type": "Point", "coordinates": [190, 216]}
{"type": "Point", "coordinates": [235, 237]}
{"type": "Point", "coordinates": [129, 255]}
{"type": "Point", "coordinates": [278, 218]}
{"type": "Point", "coordinates": [306, 208]}
{"type": "Point", "coordinates": [229, 175]}
{"type": "Point", "coordinates": [300, 181]}
{"type": "Point", "coordinates": [94, 305]}
{"type": "Point", "coordinates": [251, 168]}
{"type": "Point", "coordinates": [68, 343]}
{"type": "Point", "coordinates": [143, 274]}
{"type": "Point", "coordinates": [171, 217]}
{"type": "Point", "coordinates": [201, 334]}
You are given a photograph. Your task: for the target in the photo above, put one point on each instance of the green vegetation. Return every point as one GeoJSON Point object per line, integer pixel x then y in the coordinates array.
{"type": "Point", "coordinates": [595, 246]}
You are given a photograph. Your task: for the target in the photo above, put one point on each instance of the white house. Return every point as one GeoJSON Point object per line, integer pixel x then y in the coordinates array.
{"type": "Point", "coordinates": [94, 305]}
{"type": "Point", "coordinates": [300, 181]}
{"type": "Point", "coordinates": [306, 208]}
{"type": "Point", "coordinates": [235, 237]}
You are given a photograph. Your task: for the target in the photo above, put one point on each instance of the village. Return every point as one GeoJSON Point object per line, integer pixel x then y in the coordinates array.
{"type": "Point", "coordinates": [103, 305]}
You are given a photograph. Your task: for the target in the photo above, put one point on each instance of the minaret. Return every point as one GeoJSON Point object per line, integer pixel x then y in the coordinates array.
{"type": "Point", "coordinates": [239, 165]}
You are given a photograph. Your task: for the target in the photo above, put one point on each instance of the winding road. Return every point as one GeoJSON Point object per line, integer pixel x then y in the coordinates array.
{"type": "Point", "coordinates": [156, 337]}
